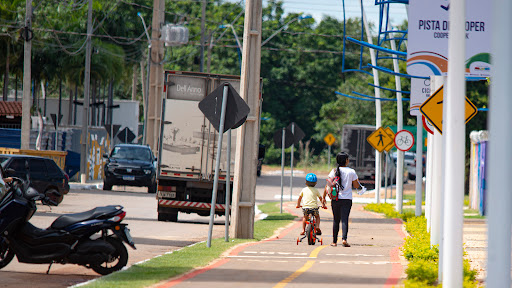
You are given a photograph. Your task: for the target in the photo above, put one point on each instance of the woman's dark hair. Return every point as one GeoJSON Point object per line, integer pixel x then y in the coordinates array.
{"type": "Point", "coordinates": [341, 160]}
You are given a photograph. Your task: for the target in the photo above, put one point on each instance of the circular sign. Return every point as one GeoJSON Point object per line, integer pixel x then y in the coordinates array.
{"type": "Point", "coordinates": [404, 140]}
{"type": "Point", "coordinates": [427, 125]}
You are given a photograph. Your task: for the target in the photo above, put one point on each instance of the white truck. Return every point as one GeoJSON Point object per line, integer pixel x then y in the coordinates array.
{"type": "Point", "coordinates": [188, 147]}
{"type": "Point", "coordinates": [362, 154]}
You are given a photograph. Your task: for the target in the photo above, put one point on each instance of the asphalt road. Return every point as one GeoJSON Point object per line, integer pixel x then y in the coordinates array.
{"type": "Point", "coordinates": [151, 237]}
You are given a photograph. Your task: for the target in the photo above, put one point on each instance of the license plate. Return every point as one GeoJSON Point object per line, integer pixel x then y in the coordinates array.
{"type": "Point", "coordinates": [128, 235]}
{"type": "Point", "coordinates": [129, 178]}
{"type": "Point", "coordinates": [165, 194]}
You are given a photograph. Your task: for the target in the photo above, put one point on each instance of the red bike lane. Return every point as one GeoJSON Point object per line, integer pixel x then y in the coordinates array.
{"type": "Point", "coordinates": [371, 261]}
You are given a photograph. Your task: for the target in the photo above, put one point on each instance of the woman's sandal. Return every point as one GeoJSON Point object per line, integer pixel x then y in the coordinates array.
{"type": "Point", "coordinates": [345, 243]}
{"type": "Point", "coordinates": [302, 233]}
{"type": "Point", "coordinates": [334, 244]}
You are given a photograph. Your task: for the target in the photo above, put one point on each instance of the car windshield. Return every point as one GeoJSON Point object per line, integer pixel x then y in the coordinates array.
{"type": "Point", "coordinates": [131, 153]}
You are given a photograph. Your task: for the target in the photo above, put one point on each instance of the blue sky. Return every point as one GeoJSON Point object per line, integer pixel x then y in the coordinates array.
{"type": "Point", "coordinates": [319, 8]}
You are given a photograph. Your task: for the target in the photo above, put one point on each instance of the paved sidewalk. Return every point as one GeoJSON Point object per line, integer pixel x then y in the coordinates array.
{"type": "Point", "coordinates": [372, 261]}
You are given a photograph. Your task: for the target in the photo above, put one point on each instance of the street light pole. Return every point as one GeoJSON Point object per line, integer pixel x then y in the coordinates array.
{"type": "Point", "coordinates": [27, 60]}
{"type": "Point", "coordinates": [146, 92]}
{"type": "Point", "coordinates": [85, 116]}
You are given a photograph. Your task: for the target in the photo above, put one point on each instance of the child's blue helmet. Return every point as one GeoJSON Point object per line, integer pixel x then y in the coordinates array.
{"type": "Point", "coordinates": [311, 177]}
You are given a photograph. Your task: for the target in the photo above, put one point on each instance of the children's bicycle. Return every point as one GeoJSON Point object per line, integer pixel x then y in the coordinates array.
{"type": "Point", "coordinates": [310, 231]}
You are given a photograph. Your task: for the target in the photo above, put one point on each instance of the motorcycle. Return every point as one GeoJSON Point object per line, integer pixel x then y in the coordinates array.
{"type": "Point", "coordinates": [93, 238]}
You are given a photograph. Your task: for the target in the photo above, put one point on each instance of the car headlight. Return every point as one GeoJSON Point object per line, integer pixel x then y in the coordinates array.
{"type": "Point", "coordinates": [147, 171]}
{"type": "Point", "coordinates": [111, 168]}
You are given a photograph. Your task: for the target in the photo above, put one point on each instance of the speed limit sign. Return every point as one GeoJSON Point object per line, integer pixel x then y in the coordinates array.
{"type": "Point", "coordinates": [404, 140]}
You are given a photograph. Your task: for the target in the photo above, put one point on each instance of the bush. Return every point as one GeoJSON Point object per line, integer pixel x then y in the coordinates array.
{"type": "Point", "coordinates": [422, 271]}
{"type": "Point", "coordinates": [423, 266]}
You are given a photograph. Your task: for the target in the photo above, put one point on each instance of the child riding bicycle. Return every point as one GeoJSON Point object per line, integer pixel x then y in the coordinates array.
{"type": "Point", "coordinates": [308, 196]}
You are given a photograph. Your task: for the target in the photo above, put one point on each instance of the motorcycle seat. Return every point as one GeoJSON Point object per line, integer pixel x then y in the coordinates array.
{"type": "Point", "coordinates": [98, 212]}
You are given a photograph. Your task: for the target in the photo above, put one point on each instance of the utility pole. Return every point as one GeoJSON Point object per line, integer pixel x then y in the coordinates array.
{"type": "Point", "coordinates": [156, 74]}
{"type": "Point", "coordinates": [203, 16]}
{"type": "Point", "coordinates": [27, 75]}
{"type": "Point", "coordinates": [85, 115]}
{"type": "Point", "coordinates": [244, 188]}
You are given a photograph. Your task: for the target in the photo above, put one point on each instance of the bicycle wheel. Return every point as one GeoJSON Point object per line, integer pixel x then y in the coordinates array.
{"type": "Point", "coordinates": [309, 233]}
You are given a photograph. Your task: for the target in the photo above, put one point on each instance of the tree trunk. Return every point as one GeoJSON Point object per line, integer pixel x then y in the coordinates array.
{"type": "Point", "coordinates": [93, 106]}
{"type": "Point", "coordinates": [6, 75]}
{"type": "Point", "coordinates": [134, 83]}
{"type": "Point", "coordinates": [76, 99]}
{"type": "Point", "coordinates": [70, 107]}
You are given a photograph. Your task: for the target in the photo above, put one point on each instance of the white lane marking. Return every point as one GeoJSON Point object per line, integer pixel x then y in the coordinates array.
{"type": "Point", "coordinates": [271, 253]}
{"type": "Point", "coordinates": [286, 198]}
{"type": "Point", "coordinates": [359, 262]}
{"type": "Point", "coordinates": [271, 257]}
{"type": "Point", "coordinates": [362, 255]}
{"type": "Point", "coordinates": [261, 260]}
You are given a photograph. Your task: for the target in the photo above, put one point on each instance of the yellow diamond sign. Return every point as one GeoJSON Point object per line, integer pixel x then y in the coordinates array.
{"type": "Point", "coordinates": [379, 139]}
{"type": "Point", "coordinates": [329, 139]}
{"type": "Point", "coordinates": [392, 135]}
{"type": "Point", "coordinates": [432, 109]}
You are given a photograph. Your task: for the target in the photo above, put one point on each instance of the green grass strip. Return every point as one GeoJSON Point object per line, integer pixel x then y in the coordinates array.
{"type": "Point", "coordinates": [188, 258]}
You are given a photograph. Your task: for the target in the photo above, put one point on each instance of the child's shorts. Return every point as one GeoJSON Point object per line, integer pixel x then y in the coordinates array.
{"type": "Point", "coordinates": [313, 211]}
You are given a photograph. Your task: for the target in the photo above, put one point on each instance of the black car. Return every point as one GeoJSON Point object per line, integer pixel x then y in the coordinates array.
{"type": "Point", "coordinates": [44, 174]}
{"type": "Point", "coordinates": [131, 165]}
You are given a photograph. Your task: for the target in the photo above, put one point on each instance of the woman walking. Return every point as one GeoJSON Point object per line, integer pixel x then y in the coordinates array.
{"type": "Point", "coordinates": [339, 186]}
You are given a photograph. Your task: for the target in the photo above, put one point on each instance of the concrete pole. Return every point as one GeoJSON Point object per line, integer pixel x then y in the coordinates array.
{"type": "Point", "coordinates": [282, 167]}
{"type": "Point", "coordinates": [203, 19]}
{"type": "Point", "coordinates": [454, 128]}
{"type": "Point", "coordinates": [27, 75]}
{"type": "Point", "coordinates": [399, 127]}
{"type": "Point", "coordinates": [419, 164]}
{"type": "Point", "coordinates": [228, 186]}
{"type": "Point", "coordinates": [248, 135]}
{"type": "Point", "coordinates": [428, 182]}
{"type": "Point", "coordinates": [291, 165]}
{"type": "Point", "coordinates": [156, 77]}
{"type": "Point", "coordinates": [378, 118]}
{"type": "Point", "coordinates": [85, 114]}
{"type": "Point", "coordinates": [499, 214]}
{"type": "Point", "coordinates": [437, 176]}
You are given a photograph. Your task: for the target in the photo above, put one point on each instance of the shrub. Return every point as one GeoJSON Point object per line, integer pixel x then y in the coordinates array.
{"type": "Point", "coordinates": [423, 271]}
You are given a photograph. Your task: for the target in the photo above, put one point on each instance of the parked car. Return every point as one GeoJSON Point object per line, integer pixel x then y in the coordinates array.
{"type": "Point", "coordinates": [409, 164]}
{"type": "Point", "coordinates": [130, 165]}
{"type": "Point", "coordinates": [45, 175]}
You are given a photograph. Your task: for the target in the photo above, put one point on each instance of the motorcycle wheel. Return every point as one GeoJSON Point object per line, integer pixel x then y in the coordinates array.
{"type": "Point", "coordinates": [116, 261]}
{"type": "Point", "coordinates": [6, 253]}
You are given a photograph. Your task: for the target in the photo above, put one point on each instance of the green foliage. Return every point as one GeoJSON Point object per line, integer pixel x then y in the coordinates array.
{"type": "Point", "coordinates": [389, 210]}
{"type": "Point", "coordinates": [422, 270]}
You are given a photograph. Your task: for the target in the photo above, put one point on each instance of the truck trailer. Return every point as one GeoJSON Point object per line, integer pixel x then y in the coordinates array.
{"type": "Point", "coordinates": [188, 147]}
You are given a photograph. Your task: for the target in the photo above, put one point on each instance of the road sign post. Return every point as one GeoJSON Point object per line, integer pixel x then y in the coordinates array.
{"type": "Point", "coordinates": [298, 134]}
{"type": "Point", "coordinates": [329, 140]}
{"type": "Point", "coordinates": [379, 140]}
{"type": "Point", "coordinates": [432, 109]}
{"type": "Point", "coordinates": [404, 140]}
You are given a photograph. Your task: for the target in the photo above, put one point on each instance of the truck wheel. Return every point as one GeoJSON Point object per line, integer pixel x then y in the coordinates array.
{"type": "Point", "coordinates": [152, 188]}
{"type": "Point", "coordinates": [173, 217]}
{"type": "Point", "coordinates": [162, 216]}
{"type": "Point", "coordinates": [168, 217]}
{"type": "Point", "coordinates": [107, 186]}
